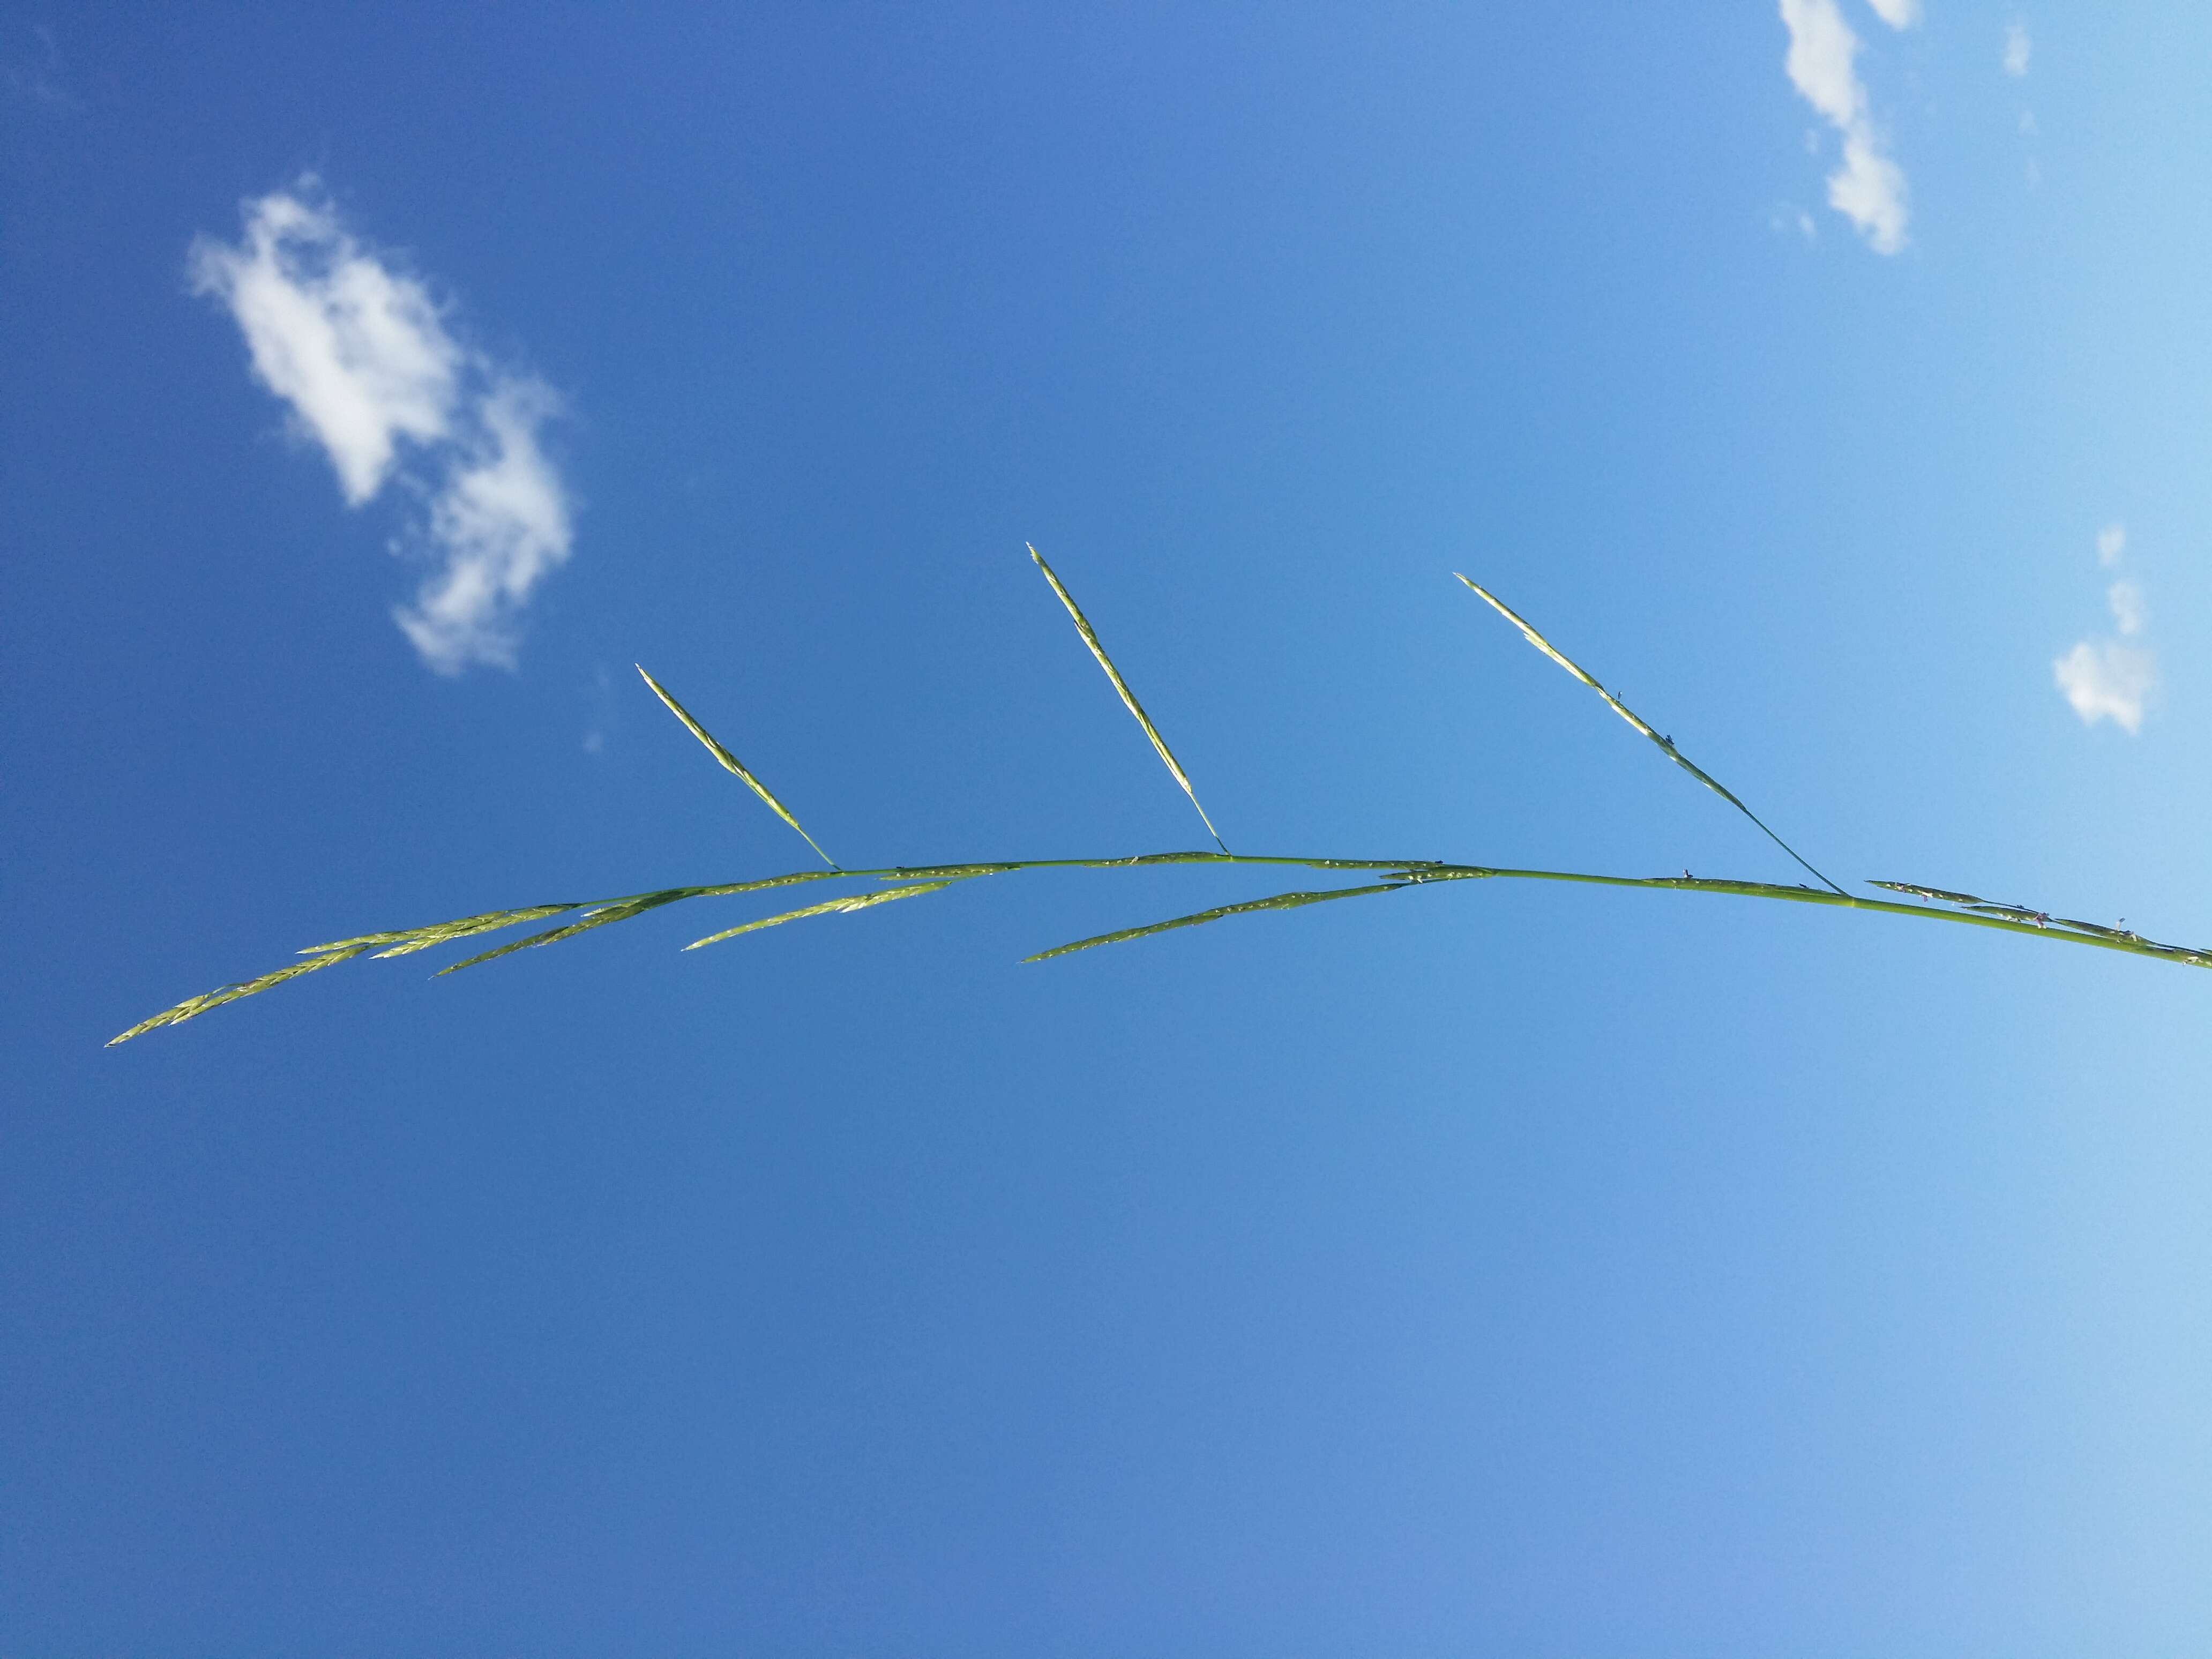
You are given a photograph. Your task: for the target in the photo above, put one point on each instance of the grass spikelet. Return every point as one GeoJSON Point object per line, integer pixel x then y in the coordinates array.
{"type": "Point", "coordinates": [446, 935]}
{"type": "Point", "coordinates": [1665, 743]}
{"type": "Point", "coordinates": [730, 763]}
{"type": "Point", "coordinates": [438, 933]}
{"type": "Point", "coordinates": [1251, 906]}
{"type": "Point", "coordinates": [830, 908]}
{"type": "Point", "coordinates": [620, 910]}
{"type": "Point", "coordinates": [193, 1007]}
{"type": "Point", "coordinates": [1128, 697]}
{"type": "Point", "coordinates": [1942, 894]}
{"type": "Point", "coordinates": [2125, 937]}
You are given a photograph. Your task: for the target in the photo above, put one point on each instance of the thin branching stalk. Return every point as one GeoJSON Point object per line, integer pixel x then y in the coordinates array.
{"type": "Point", "coordinates": [1918, 902]}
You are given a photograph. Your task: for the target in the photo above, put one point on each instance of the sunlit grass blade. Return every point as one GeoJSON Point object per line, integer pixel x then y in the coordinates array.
{"type": "Point", "coordinates": [405, 941]}
{"type": "Point", "coordinates": [1251, 906]}
{"type": "Point", "coordinates": [830, 908]}
{"type": "Point", "coordinates": [730, 763]}
{"type": "Point", "coordinates": [1128, 697]}
{"type": "Point", "coordinates": [1665, 743]}
{"type": "Point", "coordinates": [620, 910]}
{"type": "Point", "coordinates": [193, 1007]}
{"type": "Point", "coordinates": [609, 910]}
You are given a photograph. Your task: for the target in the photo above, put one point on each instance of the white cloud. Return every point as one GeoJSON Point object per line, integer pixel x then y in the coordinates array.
{"type": "Point", "coordinates": [359, 353]}
{"type": "Point", "coordinates": [1869, 188]}
{"type": "Point", "coordinates": [2104, 679]}
{"type": "Point", "coordinates": [2128, 612]}
{"type": "Point", "coordinates": [2018, 49]}
{"type": "Point", "coordinates": [1819, 63]}
{"type": "Point", "coordinates": [499, 523]}
{"type": "Point", "coordinates": [363, 356]}
{"type": "Point", "coordinates": [2108, 681]}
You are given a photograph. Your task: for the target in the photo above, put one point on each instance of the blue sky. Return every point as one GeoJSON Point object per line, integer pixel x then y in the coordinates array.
{"type": "Point", "coordinates": [1505, 1268]}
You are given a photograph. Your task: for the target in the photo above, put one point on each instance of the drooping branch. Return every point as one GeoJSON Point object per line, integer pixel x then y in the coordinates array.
{"type": "Point", "coordinates": [1388, 875]}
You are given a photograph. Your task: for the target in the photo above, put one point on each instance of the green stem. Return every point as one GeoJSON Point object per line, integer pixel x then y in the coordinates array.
{"type": "Point", "coordinates": [1417, 871]}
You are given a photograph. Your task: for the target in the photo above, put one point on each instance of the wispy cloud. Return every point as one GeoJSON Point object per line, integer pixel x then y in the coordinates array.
{"type": "Point", "coordinates": [40, 84]}
{"type": "Point", "coordinates": [2128, 613]}
{"type": "Point", "coordinates": [2012, 59]}
{"type": "Point", "coordinates": [2108, 679]}
{"type": "Point", "coordinates": [361, 356]}
{"type": "Point", "coordinates": [1786, 219]}
{"type": "Point", "coordinates": [1868, 188]}
{"type": "Point", "coordinates": [499, 525]}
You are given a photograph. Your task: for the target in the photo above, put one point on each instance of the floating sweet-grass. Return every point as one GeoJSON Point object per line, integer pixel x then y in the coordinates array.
{"type": "Point", "coordinates": [908, 881]}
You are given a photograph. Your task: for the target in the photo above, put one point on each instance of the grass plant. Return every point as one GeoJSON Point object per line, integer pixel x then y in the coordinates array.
{"type": "Point", "coordinates": [1915, 900]}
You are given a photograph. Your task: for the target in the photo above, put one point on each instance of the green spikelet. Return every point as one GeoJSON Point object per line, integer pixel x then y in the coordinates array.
{"type": "Point", "coordinates": [730, 763]}
{"type": "Point", "coordinates": [1128, 697]}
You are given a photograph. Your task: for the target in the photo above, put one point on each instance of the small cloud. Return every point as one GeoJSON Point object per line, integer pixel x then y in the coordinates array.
{"type": "Point", "coordinates": [360, 354]}
{"type": "Point", "coordinates": [39, 84]}
{"type": "Point", "coordinates": [1789, 220]}
{"type": "Point", "coordinates": [604, 714]}
{"type": "Point", "coordinates": [2108, 681]}
{"type": "Point", "coordinates": [2126, 599]}
{"type": "Point", "coordinates": [1869, 188]}
{"type": "Point", "coordinates": [2105, 679]}
{"type": "Point", "coordinates": [2018, 49]}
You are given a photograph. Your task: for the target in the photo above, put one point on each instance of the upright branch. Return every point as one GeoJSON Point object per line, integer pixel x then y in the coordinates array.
{"type": "Point", "coordinates": [1666, 744]}
{"type": "Point", "coordinates": [730, 763]}
{"type": "Point", "coordinates": [1128, 697]}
